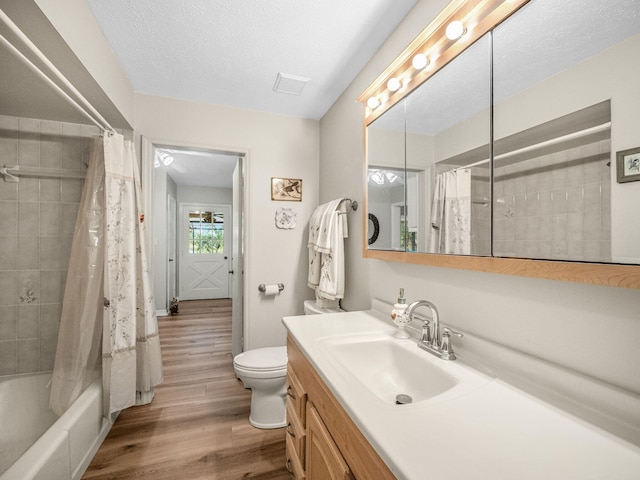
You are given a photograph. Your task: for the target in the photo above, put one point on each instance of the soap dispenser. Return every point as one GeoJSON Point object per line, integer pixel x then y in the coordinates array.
{"type": "Point", "coordinates": [399, 317]}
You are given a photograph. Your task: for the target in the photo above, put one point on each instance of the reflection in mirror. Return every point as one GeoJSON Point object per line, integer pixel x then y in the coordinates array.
{"type": "Point", "coordinates": [448, 135]}
{"type": "Point", "coordinates": [566, 100]}
{"type": "Point", "coordinates": [387, 181]}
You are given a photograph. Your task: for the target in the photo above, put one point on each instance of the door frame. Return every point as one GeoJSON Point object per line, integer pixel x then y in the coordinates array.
{"type": "Point", "coordinates": [172, 204]}
{"type": "Point", "coordinates": [147, 152]}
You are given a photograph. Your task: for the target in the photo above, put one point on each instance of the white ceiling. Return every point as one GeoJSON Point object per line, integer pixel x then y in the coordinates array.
{"type": "Point", "coordinates": [230, 52]}
{"type": "Point", "coordinates": [200, 168]}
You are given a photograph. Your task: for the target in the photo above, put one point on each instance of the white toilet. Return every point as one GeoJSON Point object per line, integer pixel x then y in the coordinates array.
{"type": "Point", "coordinates": [264, 371]}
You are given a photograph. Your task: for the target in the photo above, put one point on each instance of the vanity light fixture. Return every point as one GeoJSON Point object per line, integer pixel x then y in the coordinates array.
{"type": "Point", "coordinates": [392, 177]}
{"type": "Point", "coordinates": [394, 84]}
{"type": "Point", "coordinates": [434, 47]}
{"type": "Point", "coordinates": [419, 61]}
{"type": "Point", "coordinates": [380, 177]}
{"type": "Point", "coordinates": [373, 103]}
{"type": "Point", "coordinates": [377, 177]}
{"type": "Point", "coordinates": [455, 30]}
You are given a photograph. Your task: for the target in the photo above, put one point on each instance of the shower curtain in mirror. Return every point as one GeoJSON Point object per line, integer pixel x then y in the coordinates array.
{"type": "Point", "coordinates": [451, 213]}
{"type": "Point", "coordinates": [109, 303]}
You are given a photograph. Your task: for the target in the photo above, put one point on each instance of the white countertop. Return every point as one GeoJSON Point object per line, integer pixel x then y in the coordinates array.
{"type": "Point", "coordinates": [484, 430]}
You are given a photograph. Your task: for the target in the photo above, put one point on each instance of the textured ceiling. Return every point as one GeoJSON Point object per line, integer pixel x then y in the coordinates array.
{"type": "Point", "coordinates": [230, 52]}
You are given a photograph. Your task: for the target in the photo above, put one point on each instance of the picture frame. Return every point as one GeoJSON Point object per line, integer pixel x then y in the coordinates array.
{"type": "Point", "coordinates": [286, 189]}
{"type": "Point", "coordinates": [628, 165]}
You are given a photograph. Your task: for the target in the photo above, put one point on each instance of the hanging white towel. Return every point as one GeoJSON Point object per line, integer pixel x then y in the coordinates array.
{"type": "Point", "coordinates": [327, 231]}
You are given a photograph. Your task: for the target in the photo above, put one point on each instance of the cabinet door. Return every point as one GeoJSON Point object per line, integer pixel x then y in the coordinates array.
{"type": "Point", "coordinates": [324, 461]}
{"type": "Point", "coordinates": [296, 433]}
{"type": "Point", "coordinates": [294, 464]}
{"type": "Point", "coordinates": [296, 395]}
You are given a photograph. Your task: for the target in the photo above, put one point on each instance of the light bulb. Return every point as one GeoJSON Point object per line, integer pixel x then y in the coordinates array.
{"type": "Point", "coordinates": [378, 178]}
{"type": "Point", "coordinates": [164, 158]}
{"type": "Point", "coordinates": [392, 177]}
{"type": "Point", "coordinates": [394, 84]}
{"type": "Point", "coordinates": [455, 30]}
{"type": "Point", "coordinates": [420, 61]}
{"type": "Point", "coordinates": [373, 103]}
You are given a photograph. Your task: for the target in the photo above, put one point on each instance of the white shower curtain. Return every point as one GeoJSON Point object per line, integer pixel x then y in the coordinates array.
{"type": "Point", "coordinates": [116, 303]}
{"type": "Point", "coordinates": [451, 213]}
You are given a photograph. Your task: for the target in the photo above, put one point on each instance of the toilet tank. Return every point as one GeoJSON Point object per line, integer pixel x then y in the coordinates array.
{"type": "Point", "coordinates": [310, 308]}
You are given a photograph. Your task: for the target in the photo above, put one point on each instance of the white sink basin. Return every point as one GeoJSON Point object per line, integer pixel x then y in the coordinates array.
{"type": "Point", "coordinates": [388, 367]}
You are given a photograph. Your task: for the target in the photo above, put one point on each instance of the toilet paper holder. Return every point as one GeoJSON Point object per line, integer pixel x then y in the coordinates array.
{"type": "Point", "coordinates": [263, 288]}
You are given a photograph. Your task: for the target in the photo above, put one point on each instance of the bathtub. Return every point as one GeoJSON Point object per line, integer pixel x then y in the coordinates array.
{"type": "Point", "coordinates": [35, 443]}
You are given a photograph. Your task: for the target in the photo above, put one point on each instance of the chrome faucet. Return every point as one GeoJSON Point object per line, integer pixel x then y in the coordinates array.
{"type": "Point", "coordinates": [432, 340]}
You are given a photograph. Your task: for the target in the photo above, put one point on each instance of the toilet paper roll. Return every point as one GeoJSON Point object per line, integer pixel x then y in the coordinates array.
{"type": "Point", "coordinates": [270, 290]}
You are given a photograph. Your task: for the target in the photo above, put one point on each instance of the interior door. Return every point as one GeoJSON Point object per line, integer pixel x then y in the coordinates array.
{"type": "Point", "coordinates": [205, 247]}
{"type": "Point", "coordinates": [237, 264]}
{"type": "Point", "coordinates": [171, 248]}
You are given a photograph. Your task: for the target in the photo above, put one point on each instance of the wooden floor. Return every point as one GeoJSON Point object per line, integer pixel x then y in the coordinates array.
{"type": "Point", "coordinates": [197, 426]}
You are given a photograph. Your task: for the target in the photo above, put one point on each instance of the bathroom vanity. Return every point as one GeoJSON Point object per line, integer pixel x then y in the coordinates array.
{"type": "Point", "coordinates": [322, 440]}
{"type": "Point", "coordinates": [344, 373]}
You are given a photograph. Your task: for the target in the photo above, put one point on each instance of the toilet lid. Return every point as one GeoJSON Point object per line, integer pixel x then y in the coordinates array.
{"type": "Point", "coordinates": [268, 358]}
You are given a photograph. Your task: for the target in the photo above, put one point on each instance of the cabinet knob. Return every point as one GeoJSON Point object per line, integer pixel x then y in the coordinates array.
{"type": "Point", "coordinates": [290, 431]}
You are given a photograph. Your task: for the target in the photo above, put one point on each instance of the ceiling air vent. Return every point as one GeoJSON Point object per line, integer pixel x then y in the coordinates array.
{"type": "Point", "coordinates": [291, 84]}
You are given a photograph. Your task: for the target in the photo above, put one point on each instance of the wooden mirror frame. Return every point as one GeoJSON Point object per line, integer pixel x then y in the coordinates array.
{"type": "Point", "coordinates": [479, 17]}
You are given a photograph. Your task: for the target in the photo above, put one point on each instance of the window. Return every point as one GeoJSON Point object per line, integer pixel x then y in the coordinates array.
{"type": "Point", "coordinates": [206, 232]}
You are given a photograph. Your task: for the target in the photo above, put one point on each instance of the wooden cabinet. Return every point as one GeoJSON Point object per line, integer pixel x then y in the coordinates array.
{"type": "Point", "coordinates": [324, 461]}
{"type": "Point", "coordinates": [296, 425]}
{"type": "Point", "coordinates": [323, 443]}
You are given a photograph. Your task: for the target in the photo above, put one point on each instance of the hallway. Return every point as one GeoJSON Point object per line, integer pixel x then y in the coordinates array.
{"type": "Point", "coordinates": [197, 426]}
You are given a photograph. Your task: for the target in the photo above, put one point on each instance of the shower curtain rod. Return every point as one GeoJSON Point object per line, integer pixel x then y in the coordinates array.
{"type": "Point", "coordinates": [12, 172]}
{"type": "Point", "coordinates": [546, 143]}
{"type": "Point", "coordinates": [94, 116]}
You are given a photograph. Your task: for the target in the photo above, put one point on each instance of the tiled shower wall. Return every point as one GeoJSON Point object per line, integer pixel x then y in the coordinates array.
{"type": "Point", "coordinates": [480, 212]}
{"type": "Point", "coordinates": [37, 219]}
{"type": "Point", "coordinates": [556, 206]}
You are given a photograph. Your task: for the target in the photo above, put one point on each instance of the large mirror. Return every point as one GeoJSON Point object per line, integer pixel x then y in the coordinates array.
{"type": "Point", "coordinates": [535, 128]}
{"type": "Point", "coordinates": [386, 182]}
{"type": "Point", "coordinates": [435, 140]}
{"type": "Point", "coordinates": [566, 99]}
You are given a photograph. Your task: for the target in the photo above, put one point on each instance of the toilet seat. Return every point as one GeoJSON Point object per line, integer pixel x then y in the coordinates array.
{"type": "Point", "coordinates": [260, 362]}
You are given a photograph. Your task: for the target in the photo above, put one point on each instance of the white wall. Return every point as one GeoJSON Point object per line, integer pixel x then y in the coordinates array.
{"type": "Point", "coordinates": [342, 149]}
{"type": "Point", "coordinates": [578, 343]}
{"type": "Point", "coordinates": [276, 145]}
{"type": "Point", "coordinates": [190, 194]}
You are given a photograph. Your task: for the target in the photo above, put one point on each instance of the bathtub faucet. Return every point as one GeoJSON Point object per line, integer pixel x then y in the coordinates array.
{"type": "Point", "coordinates": [433, 340]}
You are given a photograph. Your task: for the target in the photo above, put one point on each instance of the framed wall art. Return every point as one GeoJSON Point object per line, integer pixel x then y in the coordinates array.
{"type": "Point", "coordinates": [286, 189]}
{"type": "Point", "coordinates": [628, 165]}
